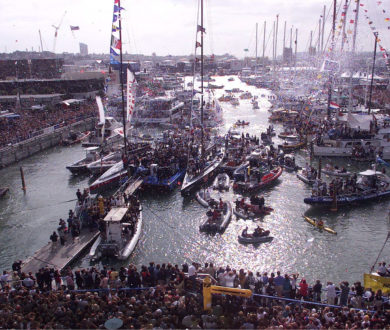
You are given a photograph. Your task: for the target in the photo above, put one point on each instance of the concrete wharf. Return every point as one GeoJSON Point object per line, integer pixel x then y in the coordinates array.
{"type": "Point", "coordinates": [58, 256]}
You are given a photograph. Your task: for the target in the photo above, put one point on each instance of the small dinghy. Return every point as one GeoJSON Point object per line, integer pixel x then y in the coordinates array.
{"type": "Point", "coordinates": [221, 182]}
{"type": "Point", "coordinates": [204, 198]}
{"type": "Point", "coordinates": [256, 237]}
{"type": "Point", "coordinates": [335, 171]}
{"type": "Point", "coordinates": [250, 213]}
{"type": "Point", "coordinates": [217, 219]}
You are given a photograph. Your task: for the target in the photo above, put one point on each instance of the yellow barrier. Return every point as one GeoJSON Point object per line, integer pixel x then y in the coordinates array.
{"type": "Point", "coordinates": [376, 282]}
{"type": "Point", "coordinates": [209, 289]}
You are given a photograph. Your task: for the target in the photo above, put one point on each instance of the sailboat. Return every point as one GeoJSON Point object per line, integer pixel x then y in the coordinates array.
{"type": "Point", "coordinates": [121, 228]}
{"type": "Point", "coordinates": [202, 163]}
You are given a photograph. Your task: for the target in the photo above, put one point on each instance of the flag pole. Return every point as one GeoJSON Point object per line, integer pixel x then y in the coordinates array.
{"type": "Point", "coordinates": [121, 78]}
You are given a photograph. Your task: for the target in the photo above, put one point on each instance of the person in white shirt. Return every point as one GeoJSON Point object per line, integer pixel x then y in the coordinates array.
{"type": "Point", "coordinates": [192, 275]}
{"type": "Point", "coordinates": [4, 279]}
{"type": "Point", "coordinates": [229, 279]}
{"type": "Point", "coordinates": [330, 293]}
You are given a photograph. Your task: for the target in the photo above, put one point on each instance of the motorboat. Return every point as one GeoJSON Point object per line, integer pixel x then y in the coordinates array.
{"type": "Point", "coordinates": [307, 177]}
{"type": "Point", "coordinates": [371, 185]}
{"type": "Point", "coordinates": [119, 234]}
{"type": "Point", "coordinates": [253, 238]}
{"type": "Point", "coordinates": [217, 223]}
{"type": "Point", "coordinates": [259, 180]}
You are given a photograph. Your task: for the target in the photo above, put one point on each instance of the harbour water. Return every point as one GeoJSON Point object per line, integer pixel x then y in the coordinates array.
{"type": "Point", "coordinates": [171, 223]}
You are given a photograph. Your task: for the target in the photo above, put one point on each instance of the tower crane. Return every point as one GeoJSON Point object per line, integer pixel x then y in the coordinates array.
{"type": "Point", "coordinates": [56, 32]}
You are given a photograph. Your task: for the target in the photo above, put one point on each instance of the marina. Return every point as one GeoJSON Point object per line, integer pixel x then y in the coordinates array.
{"type": "Point", "coordinates": [363, 227]}
{"type": "Point", "coordinates": [218, 189]}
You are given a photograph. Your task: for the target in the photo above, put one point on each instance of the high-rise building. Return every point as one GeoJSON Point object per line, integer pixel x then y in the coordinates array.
{"type": "Point", "coordinates": [83, 49]}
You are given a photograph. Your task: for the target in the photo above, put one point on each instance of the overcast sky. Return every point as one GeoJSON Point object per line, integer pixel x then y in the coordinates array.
{"type": "Point", "coordinates": [168, 26]}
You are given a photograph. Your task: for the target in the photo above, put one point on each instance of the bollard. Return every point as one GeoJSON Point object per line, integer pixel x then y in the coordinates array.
{"type": "Point", "coordinates": [23, 182]}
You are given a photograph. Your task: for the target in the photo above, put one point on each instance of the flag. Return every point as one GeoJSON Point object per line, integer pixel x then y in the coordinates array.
{"type": "Point", "coordinates": [113, 60]}
{"type": "Point", "coordinates": [115, 28]}
{"type": "Point", "coordinates": [114, 18]}
{"type": "Point", "coordinates": [130, 94]}
{"type": "Point", "coordinates": [74, 28]}
{"type": "Point", "coordinates": [117, 9]}
{"type": "Point", "coordinates": [200, 29]}
{"type": "Point", "coordinates": [115, 42]}
{"type": "Point", "coordinates": [334, 105]}
{"type": "Point", "coordinates": [387, 19]}
{"type": "Point", "coordinates": [246, 50]}
{"type": "Point", "coordinates": [198, 44]}
{"type": "Point", "coordinates": [351, 21]}
{"type": "Point", "coordinates": [112, 52]}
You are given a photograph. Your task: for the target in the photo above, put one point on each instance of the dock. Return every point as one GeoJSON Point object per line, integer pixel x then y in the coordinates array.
{"type": "Point", "coordinates": [59, 257]}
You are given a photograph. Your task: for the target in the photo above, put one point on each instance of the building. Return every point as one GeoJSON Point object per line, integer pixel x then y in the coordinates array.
{"type": "Point", "coordinates": [83, 49]}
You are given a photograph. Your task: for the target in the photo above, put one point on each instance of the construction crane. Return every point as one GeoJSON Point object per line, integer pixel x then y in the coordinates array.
{"type": "Point", "coordinates": [56, 32]}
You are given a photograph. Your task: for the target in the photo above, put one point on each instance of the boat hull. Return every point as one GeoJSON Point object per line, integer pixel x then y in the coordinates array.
{"type": "Point", "coordinates": [346, 200]}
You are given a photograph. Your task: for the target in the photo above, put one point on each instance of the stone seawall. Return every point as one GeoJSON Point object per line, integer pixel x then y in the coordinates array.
{"type": "Point", "coordinates": [25, 149]}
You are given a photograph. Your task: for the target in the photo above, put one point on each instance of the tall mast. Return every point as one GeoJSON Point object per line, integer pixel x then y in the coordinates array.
{"type": "Point", "coordinates": [284, 36]}
{"type": "Point", "coordinates": [323, 29]}
{"type": "Point", "coordinates": [296, 48]}
{"type": "Point", "coordinates": [201, 76]}
{"type": "Point", "coordinates": [372, 72]}
{"type": "Point", "coordinates": [311, 40]}
{"type": "Point", "coordinates": [273, 48]}
{"type": "Point", "coordinates": [319, 35]}
{"type": "Point", "coordinates": [256, 47]}
{"type": "Point", "coordinates": [355, 25]}
{"type": "Point", "coordinates": [353, 55]}
{"type": "Point", "coordinates": [331, 56]}
{"type": "Point", "coordinates": [276, 36]}
{"type": "Point", "coordinates": [265, 27]}
{"type": "Point", "coordinates": [344, 37]}
{"type": "Point", "coordinates": [121, 78]}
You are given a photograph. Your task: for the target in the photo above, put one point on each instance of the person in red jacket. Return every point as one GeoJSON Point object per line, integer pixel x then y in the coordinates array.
{"type": "Point", "coordinates": [303, 289]}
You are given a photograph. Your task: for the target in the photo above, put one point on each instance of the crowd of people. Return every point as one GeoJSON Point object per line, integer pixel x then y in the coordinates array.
{"type": "Point", "coordinates": [32, 122]}
{"type": "Point", "coordinates": [169, 296]}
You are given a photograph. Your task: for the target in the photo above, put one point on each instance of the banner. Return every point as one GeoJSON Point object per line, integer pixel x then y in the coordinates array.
{"type": "Point", "coordinates": [102, 118]}
{"type": "Point", "coordinates": [130, 95]}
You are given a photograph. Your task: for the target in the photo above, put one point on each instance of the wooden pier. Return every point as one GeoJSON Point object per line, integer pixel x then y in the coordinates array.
{"type": "Point", "coordinates": [58, 256]}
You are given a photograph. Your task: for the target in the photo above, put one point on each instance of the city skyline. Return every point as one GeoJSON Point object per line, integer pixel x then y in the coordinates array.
{"type": "Point", "coordinates": [168, 27]}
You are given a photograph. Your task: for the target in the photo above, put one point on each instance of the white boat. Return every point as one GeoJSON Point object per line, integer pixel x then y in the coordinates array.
{"type": "Point", "coordinates": [221, 182]}
{"type": "Point", "coordinates": [330, 170]}
{"type": "Point", "coordinates": [302, 175]}
{"type": "Point", "coordinates": [109, 178]}
{"type": "Point", "coordinates": [203, 197]}
{"type": "Point", "coordinates": [254, 240]}
{"type": "Point", "coordinates": [119, 238]}
{"type": "Point", "coordinates": [91, 155]}
{"type": "Point", "coordinates": [193, 180]}
{"type": "Point", "coordinates": [219, 225]}
{"type": "Point", "coordinates": [101, 165]}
